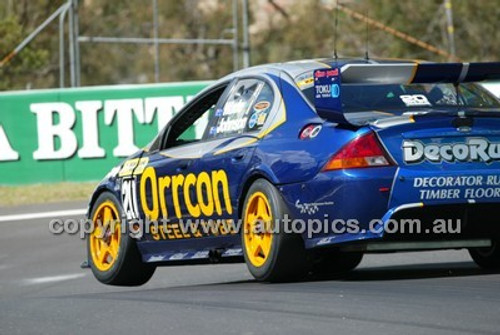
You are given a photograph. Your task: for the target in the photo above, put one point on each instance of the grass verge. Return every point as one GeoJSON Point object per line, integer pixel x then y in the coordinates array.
{"type": "Point", "coordinates": [45, 193]}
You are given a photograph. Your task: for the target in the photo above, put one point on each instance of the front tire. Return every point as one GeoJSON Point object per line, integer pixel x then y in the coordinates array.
{"type": "Point", "coordinates": [113, 255]}
{"type": "Point", "coordinates": [270, 254]}
{"type": "Point", "coordinates": [487, 258]}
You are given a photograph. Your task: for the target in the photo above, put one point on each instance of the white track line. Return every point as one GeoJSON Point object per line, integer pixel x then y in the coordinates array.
{"type": "Point", "coordinates": [52, 279]}
{"type": "Point", "coordinates": [41, 215]}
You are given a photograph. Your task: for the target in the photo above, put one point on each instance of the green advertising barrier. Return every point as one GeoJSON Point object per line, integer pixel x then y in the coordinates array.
{"type": "Point", "coordinates": [80, 134]}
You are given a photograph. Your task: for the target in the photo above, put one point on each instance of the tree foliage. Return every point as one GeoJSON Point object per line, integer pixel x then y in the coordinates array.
{"type": "Point", "coordinates": [280, 31]}
{"type": "Point", "coordinates": [33, 66]}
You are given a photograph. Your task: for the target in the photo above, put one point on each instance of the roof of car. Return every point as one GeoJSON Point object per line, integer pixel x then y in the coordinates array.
{"type": "Point", "coordinates": [299, 67]}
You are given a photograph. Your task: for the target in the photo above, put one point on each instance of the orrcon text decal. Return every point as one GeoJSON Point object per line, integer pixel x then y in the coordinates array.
{"type": "Point", "coordinates": [471, 150]}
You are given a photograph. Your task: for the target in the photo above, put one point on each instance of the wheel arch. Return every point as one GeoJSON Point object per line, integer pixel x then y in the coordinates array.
{"type": "Point", "coordinates": [100, 189]}
{"type": "Point", "coordinates": [246, 186]}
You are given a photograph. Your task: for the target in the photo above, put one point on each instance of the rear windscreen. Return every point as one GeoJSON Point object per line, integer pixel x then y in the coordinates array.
{"type": "Point", "coordinates": [392, 97]}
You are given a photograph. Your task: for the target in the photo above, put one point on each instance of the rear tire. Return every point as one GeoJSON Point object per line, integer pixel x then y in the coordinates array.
{"type": "Point", "coordinates": [114, 259]}
{"type": "Point", "coordinates": [332, 262]}
{"type": "Point", "coordinates": [487, 258]}
{"type": "Point", "coordinates": [276, 256]}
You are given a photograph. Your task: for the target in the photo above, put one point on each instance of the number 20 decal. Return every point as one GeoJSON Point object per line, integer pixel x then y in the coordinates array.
{"type": "Point", "coordinates": [411, 100]}
{"type": "Point", "coordinates": [129, 198]}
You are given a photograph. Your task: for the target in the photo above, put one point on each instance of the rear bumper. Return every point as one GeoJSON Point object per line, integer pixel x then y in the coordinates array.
{"type": "Point", "coordinates": [419, 227]}
{"type": "Point", "coordinates": [362, 196]}
{"type": "Point", "coordinates": [386, 246]}
{"type": "Point", "coordinates": [447, 222]}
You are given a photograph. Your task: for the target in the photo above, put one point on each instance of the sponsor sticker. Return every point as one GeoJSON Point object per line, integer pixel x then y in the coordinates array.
{"type": "Point", "coordinates": [261, 119]}
{"type": "Point", "coordinates": [261, 106]}
{"type": "Point", "coordinates": [473, 150]}
{"type": "Point", "coordinates": [311, 131]}
{"type": "Point", "coordinates": [135, 166]}
{"type": "Point", "coordinates": [327, 92]}
{"type": "Point", "coordinates": [414, 100]}
{"type": "Point", "coordinates": [252, 122]}
{"type": "Point", "coordinates": [158, 193]}
{"type": "Point", "coordinates": [312, 207]}
{"type": "Point", "coordinates": [453, 187]}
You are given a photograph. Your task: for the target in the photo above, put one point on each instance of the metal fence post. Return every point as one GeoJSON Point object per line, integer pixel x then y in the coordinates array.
{"type": "Point", "coordinates": [71, 39]}
{"type": "Point", "coordinates": [235, 35]}
{"type": "Point", "coordinates": [76, 31]}
{"type": "Point", "coordinates": [246, 37]}
{"type": "Point", "coordinates": [156, 44]}
{"type": "Point", "coordinates": [62, 17]}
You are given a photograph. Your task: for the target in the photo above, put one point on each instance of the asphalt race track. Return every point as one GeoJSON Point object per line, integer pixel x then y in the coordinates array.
{"type": "Point", "coordinates": [44, 291]}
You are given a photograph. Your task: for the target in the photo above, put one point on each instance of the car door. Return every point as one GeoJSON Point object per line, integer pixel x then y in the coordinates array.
{"type": "Point", "coordinates": [194, 178]}
{"type": "Point", "coordinates": [167, 184]}
{"type": "Point", "coordinates": [238, 120]}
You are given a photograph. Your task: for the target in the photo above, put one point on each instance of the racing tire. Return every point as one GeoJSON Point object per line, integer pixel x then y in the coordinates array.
{"type": "Point", "coordinates": [487, 258]}
{"type": "Point", "coordinates": [112, 254]}
{"type": "Point", "coordinates": [272, 256]}
{"type": "Point", "coordinates": [333, 262]}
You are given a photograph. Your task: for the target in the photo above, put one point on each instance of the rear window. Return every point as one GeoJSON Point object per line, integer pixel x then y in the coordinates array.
{"type": "Point", "coordinates": [245, 111]}
{"type": "Point", "coordinates": [403, 97]}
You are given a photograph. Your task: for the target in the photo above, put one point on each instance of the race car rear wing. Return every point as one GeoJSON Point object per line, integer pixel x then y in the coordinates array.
{"type": "Point", "coordinates": [421, 73]}
{"type": "Point", "coordinates": [328, 82]}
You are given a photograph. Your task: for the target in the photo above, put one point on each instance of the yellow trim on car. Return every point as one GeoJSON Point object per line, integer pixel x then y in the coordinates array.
{"type": "Point", "coordinates": [305, 82]}
{"type": "Point", "coordinates": [413, 73]}
{"type": "Point", "coordinates": [179, 157]}
{"type": "Point", "coordinates": [328, 66]}
{"type": "Point", "coordinates": [242, 145]}
{"type": "Point", "coordinates": [278, 123]}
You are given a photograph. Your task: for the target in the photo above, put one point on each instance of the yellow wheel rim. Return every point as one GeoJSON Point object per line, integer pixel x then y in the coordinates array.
{"type": "Point", "coordinates": [257, 232]}
{"type": "Point", "coordinates": [105, 237]}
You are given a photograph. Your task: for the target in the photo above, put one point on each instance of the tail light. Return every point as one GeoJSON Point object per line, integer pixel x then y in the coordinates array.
{"type": "Point", "coordinates": [362, 152]}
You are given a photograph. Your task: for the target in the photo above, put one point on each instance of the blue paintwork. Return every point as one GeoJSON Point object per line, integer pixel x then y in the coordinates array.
{"type": "Point", "coordinates": [294, 166]}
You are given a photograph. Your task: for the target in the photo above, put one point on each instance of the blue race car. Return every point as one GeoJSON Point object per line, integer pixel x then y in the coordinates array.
{"type": "Point", "coordinates": [303, 167]}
